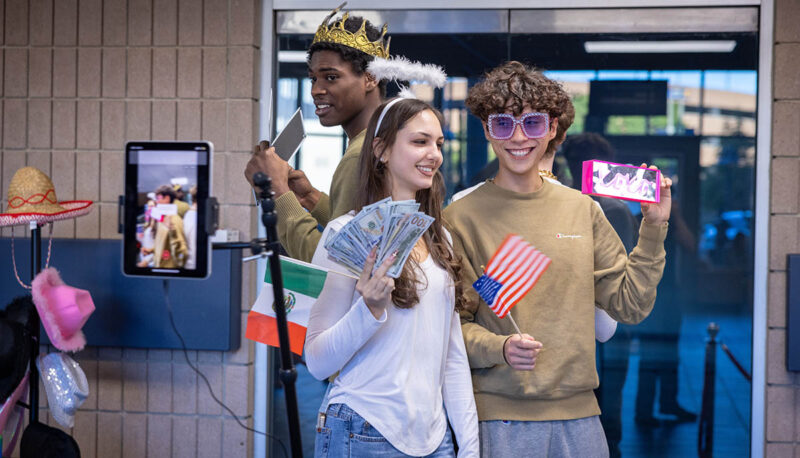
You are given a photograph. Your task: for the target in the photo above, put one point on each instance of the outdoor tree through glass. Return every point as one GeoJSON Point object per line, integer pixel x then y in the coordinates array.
{"type": "Point", "coordinates": [502, 125]}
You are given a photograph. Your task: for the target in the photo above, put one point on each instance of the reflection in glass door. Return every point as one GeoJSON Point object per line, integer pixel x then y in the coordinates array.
{"type": "Point", "coordinates": [651, 374]}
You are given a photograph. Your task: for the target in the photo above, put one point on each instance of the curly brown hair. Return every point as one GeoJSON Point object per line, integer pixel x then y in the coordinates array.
{"type": "Point", "coordinates": [513, 85]}
{"type": "Point", "coordinates": [374, 186]}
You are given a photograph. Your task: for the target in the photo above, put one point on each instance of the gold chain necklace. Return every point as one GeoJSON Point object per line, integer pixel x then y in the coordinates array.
{"type": "Point", "coordinates": [548, 174]}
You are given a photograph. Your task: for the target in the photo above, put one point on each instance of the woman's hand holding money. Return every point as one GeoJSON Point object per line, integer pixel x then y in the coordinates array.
{"type": "Point", "coordinates": [376, 288]}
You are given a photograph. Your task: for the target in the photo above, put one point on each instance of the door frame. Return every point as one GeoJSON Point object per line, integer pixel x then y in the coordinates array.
{"type": "Point", "coordinates": [763, 162]}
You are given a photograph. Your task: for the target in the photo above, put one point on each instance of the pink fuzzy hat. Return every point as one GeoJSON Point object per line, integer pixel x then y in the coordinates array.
{"type": "Point", "coordinates": [63, 310]}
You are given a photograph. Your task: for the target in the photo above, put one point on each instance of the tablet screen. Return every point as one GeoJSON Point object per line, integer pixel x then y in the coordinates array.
{"type": "Point", "coordinates": [291, 137]}
{"type": "Point", "coordinates": [166, 188]}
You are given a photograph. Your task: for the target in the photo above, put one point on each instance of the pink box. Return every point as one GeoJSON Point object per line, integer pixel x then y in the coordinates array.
{"type": "Point", "coordinates": [620, 181]}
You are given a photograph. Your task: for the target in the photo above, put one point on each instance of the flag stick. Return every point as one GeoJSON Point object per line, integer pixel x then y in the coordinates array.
{"type": "Point", "coordinates": [515, 324]}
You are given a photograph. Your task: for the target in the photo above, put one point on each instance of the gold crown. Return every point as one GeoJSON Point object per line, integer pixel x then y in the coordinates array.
{"type": "Point", "coordinates": [336, 33]}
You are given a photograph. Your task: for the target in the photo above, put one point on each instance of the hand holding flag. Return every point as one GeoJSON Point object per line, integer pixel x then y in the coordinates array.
{"type": "Point", "coordinates": [520, 351]}
{"type": "Point", "coordinates": [511, 272]}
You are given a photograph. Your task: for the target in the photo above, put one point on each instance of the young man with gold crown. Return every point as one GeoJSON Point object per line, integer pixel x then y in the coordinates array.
{"type": "Point", "coordinates": [346, 95]}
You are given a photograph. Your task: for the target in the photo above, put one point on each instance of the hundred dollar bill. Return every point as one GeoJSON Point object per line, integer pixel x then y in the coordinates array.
{"type": "Point", "coordinates": [357, 239]}
{"type": "Point", "coordinates": [342, 249]}
{"type": "Point", "coordinates": [347, 263]}
{"type": "Point", "coordinates": [397, 220]}
{"type": "Point", "coordinates": [402, 207]}
{"type": "Point", "coordinates": [369, 226]}
{"type": "Point", "coordinates": [329, 240]}
{"type": "Point", "coordinates": [391, 226]}
{"type": "Point", "coordinates": [359, 252]}
{"type": "Point", "coordinates": [395, 225]}
{"type": "Point", "coordinates": [416, 226]}
{"type": "Point", "coordinates": [397, 234]}
{"type": "Point", "coordinates": [380, 203]}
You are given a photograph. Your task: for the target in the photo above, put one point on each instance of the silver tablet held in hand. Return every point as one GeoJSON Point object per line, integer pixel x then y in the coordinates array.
{"type": "Point", "coordinates": [291, 137]}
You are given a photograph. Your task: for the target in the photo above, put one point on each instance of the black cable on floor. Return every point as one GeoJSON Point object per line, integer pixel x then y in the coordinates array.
{"type": "Point", "coordinates": [208, 384]}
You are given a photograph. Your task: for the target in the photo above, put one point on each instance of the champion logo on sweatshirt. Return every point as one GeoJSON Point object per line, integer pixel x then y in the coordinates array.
{"type": "Point", "coordinates": [567, 236]}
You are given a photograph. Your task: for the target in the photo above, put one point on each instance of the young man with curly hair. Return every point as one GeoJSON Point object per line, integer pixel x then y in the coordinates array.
{"type": "Point", "coordinates": [346, 95]}
{"type": "Point", "coordinates": [534, 391]}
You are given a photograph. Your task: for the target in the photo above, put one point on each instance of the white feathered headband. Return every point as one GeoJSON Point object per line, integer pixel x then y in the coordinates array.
{"type": "Point", "coordinates": [399, 69]}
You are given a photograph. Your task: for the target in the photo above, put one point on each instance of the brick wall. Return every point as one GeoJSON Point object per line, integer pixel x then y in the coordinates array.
{"type": "Point", "coordinates": [783, 388]}
{"type": "Point", "coordinates": [79, 78]}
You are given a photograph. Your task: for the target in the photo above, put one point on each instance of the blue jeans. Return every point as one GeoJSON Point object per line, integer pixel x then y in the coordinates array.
{"type": "Point", "coordinates": [346, 434]}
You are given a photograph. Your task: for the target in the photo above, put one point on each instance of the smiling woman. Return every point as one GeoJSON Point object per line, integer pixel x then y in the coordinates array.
{"type": "Point", "coordinates": [415, 156]}
{"type": "Point", "coordinates": [400, 159]}
{"type": "Point", "coordinates": [396, 344]}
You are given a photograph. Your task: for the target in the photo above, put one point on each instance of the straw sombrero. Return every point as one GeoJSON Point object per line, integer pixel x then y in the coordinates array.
{"type": "Point", "coordinates": [32, 197]}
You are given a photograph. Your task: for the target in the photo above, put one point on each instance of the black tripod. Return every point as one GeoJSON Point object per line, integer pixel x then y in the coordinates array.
{"type": "Point", "coordinates": [287, 372]}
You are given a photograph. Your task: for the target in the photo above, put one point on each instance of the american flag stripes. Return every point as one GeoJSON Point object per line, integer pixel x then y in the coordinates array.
{"type": "Point", "coordinates": [511, 272]}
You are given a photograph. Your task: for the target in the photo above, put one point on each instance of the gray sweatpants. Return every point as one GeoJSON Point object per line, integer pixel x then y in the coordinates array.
{"type": "Point", "coordinates": [581, 438]}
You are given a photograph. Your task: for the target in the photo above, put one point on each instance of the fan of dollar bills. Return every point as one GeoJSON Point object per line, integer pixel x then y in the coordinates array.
{"type": "Point", "coordinates": [389, 225]}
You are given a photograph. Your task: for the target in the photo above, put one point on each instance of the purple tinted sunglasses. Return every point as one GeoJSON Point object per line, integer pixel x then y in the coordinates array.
{"type": "Point", "coordinates": [502, 125]}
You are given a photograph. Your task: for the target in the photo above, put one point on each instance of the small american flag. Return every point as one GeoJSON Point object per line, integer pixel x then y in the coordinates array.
{"type": "Point", "coordinates": [511, 272]}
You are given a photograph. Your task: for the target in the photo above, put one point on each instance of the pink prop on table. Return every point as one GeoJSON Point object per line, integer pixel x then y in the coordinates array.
{"type": "Point", "coordinates": [620, 181]}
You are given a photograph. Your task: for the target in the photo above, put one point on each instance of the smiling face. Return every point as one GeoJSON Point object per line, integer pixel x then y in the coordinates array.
{"type": "Point", "coordinates": [414, 157]}
{"type": "Point", "coordinates": [519, 156]}
{"type": "Point", "coordinates": [339, 93]}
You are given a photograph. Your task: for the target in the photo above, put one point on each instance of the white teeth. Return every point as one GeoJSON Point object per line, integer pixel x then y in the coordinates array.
{"type": "Point", "coordinates": [518, 152]}
{"type": "Point", "coordinates": [323, 106]}
{"type": "Point", "coordinates": [425, 169]}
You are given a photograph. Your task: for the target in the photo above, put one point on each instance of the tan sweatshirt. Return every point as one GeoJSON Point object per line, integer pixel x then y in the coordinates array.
{"type": "Point", "coordinates": [297, 228]}
{"type": "Point", "coordinates": [589, 267]}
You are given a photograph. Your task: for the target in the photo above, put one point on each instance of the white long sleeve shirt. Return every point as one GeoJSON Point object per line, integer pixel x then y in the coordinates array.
{"type": "Point", "coordinates": [403, 372]}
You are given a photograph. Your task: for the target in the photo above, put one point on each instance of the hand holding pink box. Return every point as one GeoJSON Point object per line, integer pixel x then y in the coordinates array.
{"type": "Point", "coordinates": [621, 181]}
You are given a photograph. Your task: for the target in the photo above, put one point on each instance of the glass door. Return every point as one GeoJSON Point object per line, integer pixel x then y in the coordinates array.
{"type": "Point", "coordinates": [703, 136]}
